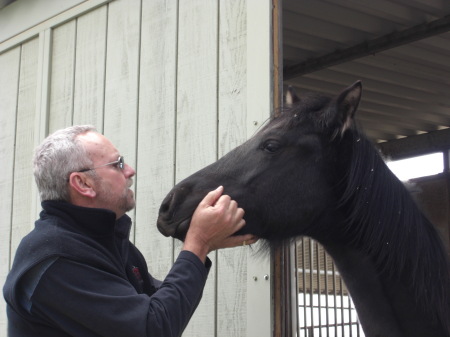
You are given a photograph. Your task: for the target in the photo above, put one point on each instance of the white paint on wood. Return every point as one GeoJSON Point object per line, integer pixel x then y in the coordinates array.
{"type": "Point", "coordinates": [9, 81]}
{"type": "Point", "coordinates": [25, 143]}
{"type": "Point", "coordinates": [259, 293]}
{"type": "Point", "coordinates": [42, 108]}
{"type": "Point", "coordinates": [196, 138]}
{"type": "Point", "coordinates": [32, 12]}
{"type": "Point", "coordinates": [121, 84]}
{"type": "Point", "coordinates": [43, 88]}
{"type": "Point", "coordinates": [232, 117]}
{"type": "Point", "coordinates": [90, 58]}
{"type": "Point", "coordinates": [156, 130]}
{"type": "Point", "coordinates": [197, 87]}
{"type": "Point", "coordinates": [62, 76]}
{"type": "Point", "coordinates": [259, 63]}
{"type": "Point", "coordinates": [19, 15]}
{"type": "Point", "coordinates": [259, 105]}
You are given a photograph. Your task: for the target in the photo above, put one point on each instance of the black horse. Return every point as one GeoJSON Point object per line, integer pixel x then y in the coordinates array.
{"type": "Point", "coordinates": [311, 172]}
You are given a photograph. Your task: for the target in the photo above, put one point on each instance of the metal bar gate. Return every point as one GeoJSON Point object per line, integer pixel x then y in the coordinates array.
{"type": "Point", "coordinates": [325, 308]}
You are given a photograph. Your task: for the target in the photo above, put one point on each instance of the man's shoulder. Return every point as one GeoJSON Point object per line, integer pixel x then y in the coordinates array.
{"type": "Point", "coordinates": [51, 237]}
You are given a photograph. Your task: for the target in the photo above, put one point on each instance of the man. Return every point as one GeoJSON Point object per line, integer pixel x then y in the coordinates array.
{"type": "Point", "coordinates": [77, 273]}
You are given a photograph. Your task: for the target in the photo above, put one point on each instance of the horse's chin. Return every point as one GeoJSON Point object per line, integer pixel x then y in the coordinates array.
{"type": "Point", "coordinates": [171, 229]}
{"type": "Point", "coordinates": [181, 230]}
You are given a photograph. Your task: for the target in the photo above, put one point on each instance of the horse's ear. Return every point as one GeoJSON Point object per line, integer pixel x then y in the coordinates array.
{"type": "Point", "coordinates": [346, 105]}
{"type": "Point", "coordinates": [290, 98]}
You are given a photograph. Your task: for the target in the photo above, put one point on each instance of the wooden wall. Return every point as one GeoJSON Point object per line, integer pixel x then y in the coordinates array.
{"type": "Point", "coordinates": [174, 85]}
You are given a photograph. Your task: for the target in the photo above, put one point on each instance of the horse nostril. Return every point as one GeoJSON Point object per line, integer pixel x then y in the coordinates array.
{"type": "Point", "coordinates": [165, 205]}
{"type": "Point", "coordinates": [172, 202]}
{"type": "Point", "coordinates": [168, 207]}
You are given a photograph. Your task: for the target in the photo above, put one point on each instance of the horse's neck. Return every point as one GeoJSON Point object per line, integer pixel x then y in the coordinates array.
{"type": "Point", "coordinates": [374, 310]}
{"type": "Point", "coordinates": [385, 308]}
{"type": "Point", "coordinates": [402, 247]}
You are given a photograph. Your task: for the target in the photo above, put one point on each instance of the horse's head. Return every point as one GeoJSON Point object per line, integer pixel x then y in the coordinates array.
{"type": "Point", "coordinates": [283, 177]}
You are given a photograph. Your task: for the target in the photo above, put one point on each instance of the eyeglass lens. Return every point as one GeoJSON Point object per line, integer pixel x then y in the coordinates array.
{"type": "Point", "coordinates": [121, 163]}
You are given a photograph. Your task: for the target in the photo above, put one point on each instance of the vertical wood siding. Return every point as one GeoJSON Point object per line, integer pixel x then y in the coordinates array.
{"type": "Point", "coordinates": [167, 82]}
{"type": "Point", "coordinates": [232, 111]}
{"type": "Point", "coordinates": [156, 129]}
{"type": "Point", "coordinates": [90, 56]}
{"type": "Point", "coordinates": [197, 115]}
{"type": "Point", "coordinates": [9, 82]}
{"type": "Point", "coordinates": [62, 76]}
{"type": "Point", "coordinates": [23, 181]}
{"type": "Point", "coordinates": [122, 79]}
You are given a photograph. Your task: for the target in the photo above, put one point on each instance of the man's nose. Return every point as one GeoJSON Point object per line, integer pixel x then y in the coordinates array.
{"type": "Point", "coordinates": [129, 171]}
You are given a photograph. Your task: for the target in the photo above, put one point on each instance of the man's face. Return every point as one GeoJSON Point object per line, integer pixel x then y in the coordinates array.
{"type": "Point", "coordinates": [112, 184]}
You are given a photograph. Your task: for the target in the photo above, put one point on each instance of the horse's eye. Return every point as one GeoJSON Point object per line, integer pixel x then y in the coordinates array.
{"type": "Point", "coordinates": [271, 146]}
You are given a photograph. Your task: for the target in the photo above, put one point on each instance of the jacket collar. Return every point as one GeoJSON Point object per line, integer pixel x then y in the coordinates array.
{"type": "Point", "coordinates": [94, 222]}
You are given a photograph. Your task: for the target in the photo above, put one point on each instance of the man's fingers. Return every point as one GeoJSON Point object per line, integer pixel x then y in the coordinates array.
{"type": "Point", "coordinates": [215, 221]}
{"type": "Point", "coordinates": [239, 214]}
{"type": "Point", "coordinates": [240, 240]}
{"type": "Point", "coordinates": [240, 224]}
{"type": "Point", "coordinates": [212, 197]}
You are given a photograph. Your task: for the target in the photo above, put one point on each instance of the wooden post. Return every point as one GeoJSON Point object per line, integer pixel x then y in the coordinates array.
{"type": "Point", "coordinates": [284, 284]}
{"type": "Point", "coordinates": [260, 88]}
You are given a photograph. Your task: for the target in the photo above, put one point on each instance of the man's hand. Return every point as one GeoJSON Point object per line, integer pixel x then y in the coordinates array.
{"type": "Point", "coordinates": [216, 218]}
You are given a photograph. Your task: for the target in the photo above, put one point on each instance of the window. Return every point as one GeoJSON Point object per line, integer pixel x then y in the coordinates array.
{"type": "Point", "coordinates": [416, 167]}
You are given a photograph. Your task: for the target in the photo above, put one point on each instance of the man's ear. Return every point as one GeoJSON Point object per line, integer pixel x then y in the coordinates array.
{"type": "Point", "coordinates": [82, 185]}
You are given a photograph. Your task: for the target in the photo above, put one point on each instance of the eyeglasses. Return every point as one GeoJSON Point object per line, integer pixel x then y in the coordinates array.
{"type": "Point", "coordinates": [120, 163]}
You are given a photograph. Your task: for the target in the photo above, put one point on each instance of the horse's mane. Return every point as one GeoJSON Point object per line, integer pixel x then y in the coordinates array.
{"type": "Point", "coordinates": [386, 223]}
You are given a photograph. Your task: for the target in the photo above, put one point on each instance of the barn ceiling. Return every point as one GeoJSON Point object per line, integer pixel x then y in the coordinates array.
{"type": "Point", "coordinates": [400, 49]}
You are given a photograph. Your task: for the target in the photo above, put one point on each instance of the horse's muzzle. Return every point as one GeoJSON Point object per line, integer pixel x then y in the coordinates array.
{"type": "Point", "coordinates": [174, 218]}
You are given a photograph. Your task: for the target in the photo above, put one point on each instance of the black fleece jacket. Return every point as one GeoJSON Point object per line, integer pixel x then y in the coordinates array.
{"type": "Point", "coordinates": [77, 274]}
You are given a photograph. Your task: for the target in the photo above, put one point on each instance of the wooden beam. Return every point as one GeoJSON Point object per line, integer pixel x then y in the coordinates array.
{"type": "Point", "coordinates": [412, 146]}
{"type": "Point", "coordinates": [369, 47]}
{"type": "Point", "coordinates": [277, 52]}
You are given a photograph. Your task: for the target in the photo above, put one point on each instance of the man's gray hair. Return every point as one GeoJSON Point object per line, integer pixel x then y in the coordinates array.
{"type": "Point", "coordinates": [60, 154]}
